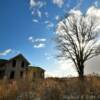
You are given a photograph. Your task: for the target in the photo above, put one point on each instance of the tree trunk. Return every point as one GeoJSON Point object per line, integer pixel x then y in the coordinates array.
{"type": "Point", "coordinates": [81, 72]}
{"type": "Point", "coordinates": [82, 86]}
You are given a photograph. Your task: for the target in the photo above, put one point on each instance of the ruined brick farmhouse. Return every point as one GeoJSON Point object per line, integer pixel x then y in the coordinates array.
{"type": "Point", "coordinates": [19, 67]}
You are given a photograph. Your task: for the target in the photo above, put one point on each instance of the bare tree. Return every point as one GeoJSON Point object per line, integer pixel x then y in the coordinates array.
{"type": "Point", "coordinates": [77, 40]}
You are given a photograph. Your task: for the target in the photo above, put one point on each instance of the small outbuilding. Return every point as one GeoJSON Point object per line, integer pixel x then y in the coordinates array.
{"type": "Point", "coordinates": [34, 72]}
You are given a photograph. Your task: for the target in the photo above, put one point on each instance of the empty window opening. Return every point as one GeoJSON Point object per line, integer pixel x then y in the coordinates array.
{"type": "Point", "coordinates": [21, 74]}
{"type": "Point", "coordinates": [2, 73]}
{"type": "Point", "coordinates": [34, 74]}
{"type": "Point", "coordinates": [14, 63]}
{"type": "Point", "coordinates": [23, 64]}
{"type": "Point", "coordinates": [12, 75]}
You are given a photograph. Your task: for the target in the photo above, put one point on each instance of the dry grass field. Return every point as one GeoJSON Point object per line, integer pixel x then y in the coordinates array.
{"type": "Point", "coordinates": [51, 89]}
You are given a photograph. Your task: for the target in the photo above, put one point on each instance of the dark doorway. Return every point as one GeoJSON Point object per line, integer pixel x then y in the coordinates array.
{"type": "Point", "coordinates": [12, 75]}
{"type": "Point", "coordinates": [21, 74]}
{"type": "Point", "coordinates": [2, 73]}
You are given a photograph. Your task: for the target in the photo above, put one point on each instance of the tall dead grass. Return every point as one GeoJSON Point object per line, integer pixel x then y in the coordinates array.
{"type": "Point", "coordinates": [51, 88]}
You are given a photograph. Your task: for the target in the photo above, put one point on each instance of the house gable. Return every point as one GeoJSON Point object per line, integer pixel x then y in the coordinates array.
{"type": "Point", "coordinates": [20, 57]}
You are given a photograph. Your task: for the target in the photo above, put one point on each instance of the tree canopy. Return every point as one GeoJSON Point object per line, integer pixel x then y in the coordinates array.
{"type": "Point", "coordinates": [78, 39]}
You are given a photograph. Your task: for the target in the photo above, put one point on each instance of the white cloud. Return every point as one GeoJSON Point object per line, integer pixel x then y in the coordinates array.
{"type": "Point", "coordinates": [93, 11]}
{"type": "Point", "coordinates": [40, 40]}
{"type": "Point", "coordinates": [33, 3]}
{"type": "Point", "coordinates": [57, 18]}
{"type": "Point", "coordinates": [62, 69]}
{"type": "Point", "coordinates": [4, 53]}
{"type": "Point", "coordinates": [37, 42]}
{"type": "Point", "coordinates": [78, 5]}
{"type": "Point", "coordinates": [46, 14]}
{"type": "Point", "coordinates": [35, 20]}
{"type": "Point", "coordinates": [59, 3]}
{"type": "Point", "coordinates": [97, 3]}
{"type": "Point", "coordinates": [49, 24]}
{"type": "Point", "coordinates": [76, 12]}
{"type": "Point", "coordinates": [46, 22]}
{"type": "Point", "coordinates": [31, 39]}
{"type": "Point", "coordinates": [65, 68]}
{"type": "Point", "coordinates": [33, 12]}
{"type": "Point", "coordinates": [40, 45]}
{"type": "Point", "coordinates": [93, 65]}
{"type": "Point", "coordinates": [36, 6]}
{"type": "Point", "coordinates": [48, 56]}
{"type": "Point", "coordinates": [36, 3]}
{"type": "Point", "coordinates": [39, 13]}
{"type": "Point", "coordinates": [41, 4]}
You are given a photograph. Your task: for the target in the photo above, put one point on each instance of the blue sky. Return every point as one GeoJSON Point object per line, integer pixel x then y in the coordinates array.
{"type": "Point", "coordinates": [28, 27]}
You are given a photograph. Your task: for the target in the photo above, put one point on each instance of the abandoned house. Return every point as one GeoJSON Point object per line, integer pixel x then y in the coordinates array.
{"type": "Point", "coordinates": [19, 67]}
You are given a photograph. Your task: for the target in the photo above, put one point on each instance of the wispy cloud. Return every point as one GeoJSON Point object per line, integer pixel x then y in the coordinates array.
{"type": "Point", "coordinates": [40, 40]}
{"type": "Point", "coordinates": [93, 65]}
{"type": "Point", "coordinates": [57, 17]}
{"type": "Point", "coordinates": [75, 12]}
{"type": "Point", "coordinates": [78, 5]}
{"type": "Point", "coordinates": [31, 39]}
{"type": "Point", "coordinates": [39, 13]}
{"type": "Point", "coordinates": [46, 14]}
{"type": "Point", "coordinates": [33, 3]}
{"type": "Point", "coordinates": [35, 20]}
{"type": "Point", "coordinates": [62, 69]}
{"type": "Point", "coordinates": [37, 42]}
{"type": "Point", "coordinates": [40, 45]}
{"type": "Point", "coordinates": [48, 56]}
{"type": "Point", "coordinates": [49, 24]}
{"type": "Point", "coordinates": [97, 3]}
{"type": "Point", "coordinates": [93, 11]}
{"type": "Point", "coordinates": [59, 3]}
{"type": "Point", "coordinates": [5, 52]}
{"type": "Point", "coordinates": [35, 6]}
{"type": "Point", "coordinates": [36, 3]}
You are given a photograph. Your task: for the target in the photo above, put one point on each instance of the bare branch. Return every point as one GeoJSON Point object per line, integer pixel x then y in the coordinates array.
{"type": "Point", "coordinates": [77, 40]}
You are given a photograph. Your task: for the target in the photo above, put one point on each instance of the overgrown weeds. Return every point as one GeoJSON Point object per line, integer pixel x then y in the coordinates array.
{"type": "Point", "coordinates": [51, 89]}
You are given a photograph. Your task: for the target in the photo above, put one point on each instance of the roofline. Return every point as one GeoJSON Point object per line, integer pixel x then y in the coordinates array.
{"type": "Point", "coordinates": [4, 59]}
{"type": "Point", "coordinates": [36, 67]}
{"type": "Point", "coordinates": [3, 62]}
{"type": "Point", "coordinates": [19, 55]}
